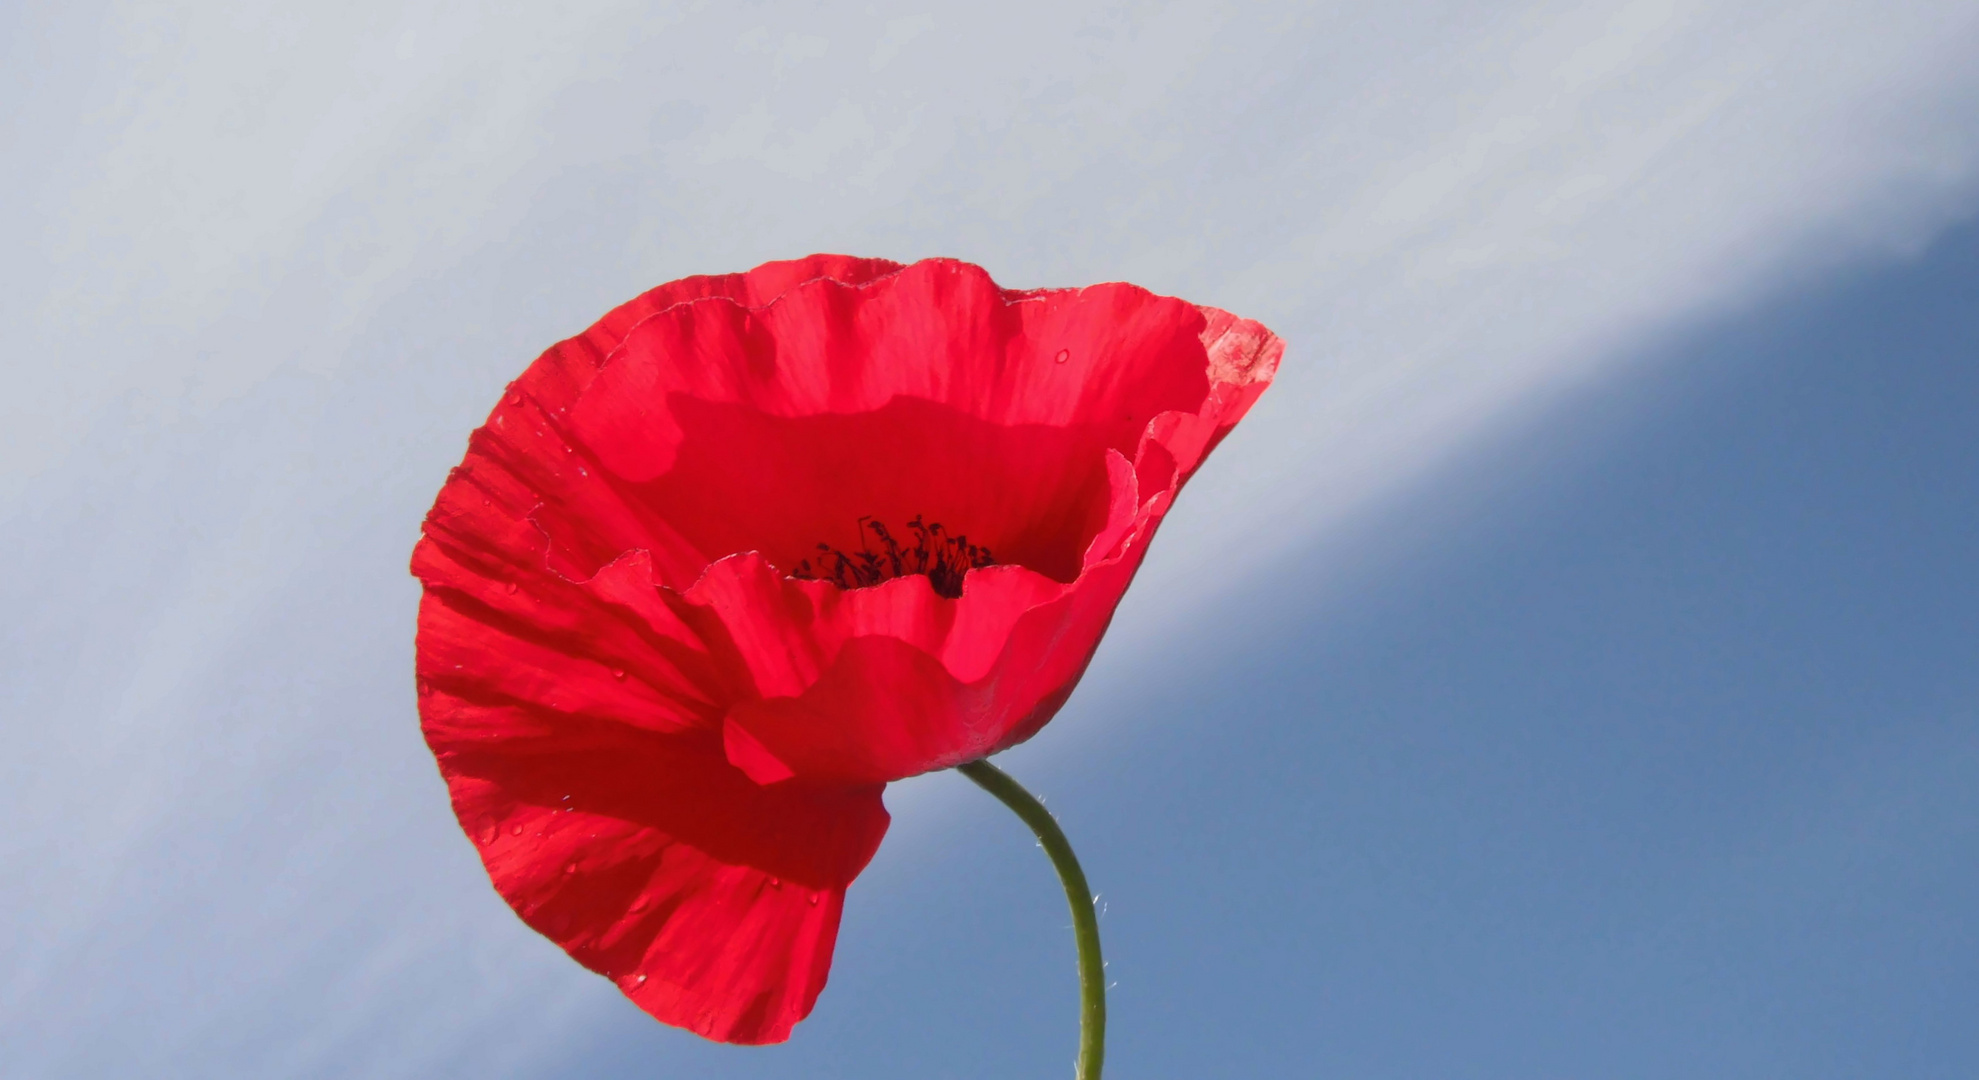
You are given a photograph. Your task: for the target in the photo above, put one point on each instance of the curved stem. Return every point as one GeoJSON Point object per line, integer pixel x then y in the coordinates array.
{"type": "Point", "coordinates": [1085, 921]}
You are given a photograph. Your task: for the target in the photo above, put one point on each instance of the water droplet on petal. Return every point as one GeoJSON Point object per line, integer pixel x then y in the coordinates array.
{"type": "Point", "coordinates": [510, 587]}
{"type": "Point", "coordinates": [425, 687]}
{"type": "Point", "coordinates": [638, 906]}
{"type": "Point", "coordinates": [618, 673]}
{"type": "Point", "coordinates": [488, 835]}
{"type": "Point", "coordinates": [514, 396]}
{"type": "Point", "coordinates": [814, 899]}
{"type": "Point", "coordinates": [570, 868]}
{"type": "Point", "coordinates": [640, 979]}
{"type": "Point", "coordinates": [776, 883]}
{"type": "Point", "coordinates": [1063, 355]}
{"type": "Point", "coordinates": [515, 830]}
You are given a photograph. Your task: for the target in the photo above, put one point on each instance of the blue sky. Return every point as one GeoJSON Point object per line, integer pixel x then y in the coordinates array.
{"type": "Point", "coordinates": [1564, 672]}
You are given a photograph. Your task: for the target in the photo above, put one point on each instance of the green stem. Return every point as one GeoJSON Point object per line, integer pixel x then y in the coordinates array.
{"type": "Point", "coordinates": [1085, 921]}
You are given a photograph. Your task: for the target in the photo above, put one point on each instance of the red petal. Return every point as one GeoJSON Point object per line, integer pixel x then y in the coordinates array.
{"type": "Point", "coordinates": [872, 685]}
{"type": "Point", "coordinates": [925, 393]}
{"type": "Point", "coordinates": [711, 901]}
{"type": "Point", "coordinates": [606, 648]}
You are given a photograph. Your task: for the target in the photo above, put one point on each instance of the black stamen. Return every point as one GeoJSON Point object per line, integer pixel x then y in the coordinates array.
{"type": "Point", "coordinates": [944, 559]}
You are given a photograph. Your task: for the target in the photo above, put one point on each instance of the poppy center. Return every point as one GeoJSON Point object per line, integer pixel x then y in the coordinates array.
{"type": "Point", "coordinates": [746, 480]}
{"type": "Point", "coordinates": [933, 551]}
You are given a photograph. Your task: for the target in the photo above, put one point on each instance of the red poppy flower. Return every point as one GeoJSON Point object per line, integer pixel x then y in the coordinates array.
{"type": "Point", "coordinates": [718, 569]}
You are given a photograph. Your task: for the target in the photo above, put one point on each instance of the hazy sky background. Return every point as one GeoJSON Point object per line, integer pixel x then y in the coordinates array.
{"type": "Point", "coordinates": [1564, 672]}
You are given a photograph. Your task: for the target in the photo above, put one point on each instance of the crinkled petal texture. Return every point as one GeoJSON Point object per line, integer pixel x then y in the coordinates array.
{"type": "Point", "coordinates": [669, 750]}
